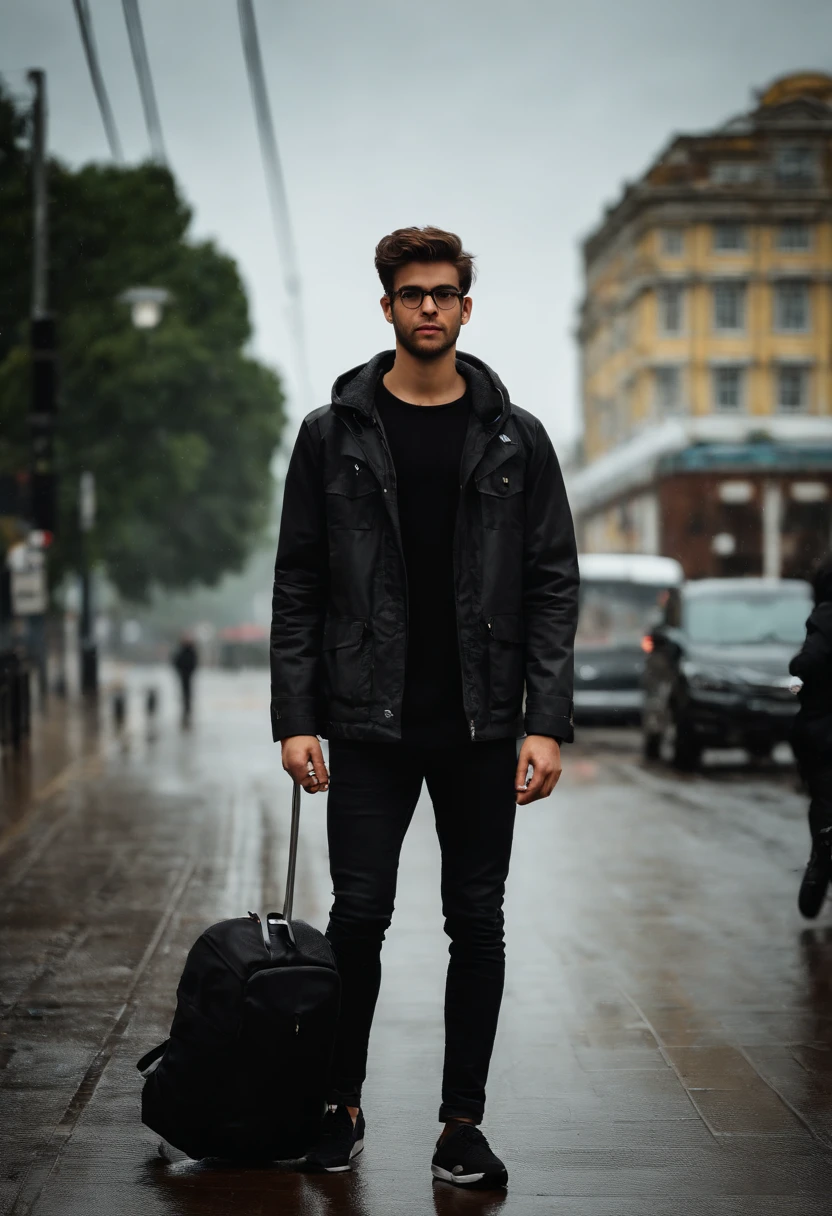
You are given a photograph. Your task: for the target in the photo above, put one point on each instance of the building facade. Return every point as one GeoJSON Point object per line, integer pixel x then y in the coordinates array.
{"type": "Point", "coordinates": [706, 348]}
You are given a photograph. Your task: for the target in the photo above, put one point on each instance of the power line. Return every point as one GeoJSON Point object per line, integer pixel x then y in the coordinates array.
{"type": "Point", "coordinates": [276, 186]}
{"type": "Point", "coordinates": [82, 12]}
{"type": "Point", "coordinates": [138, 47]}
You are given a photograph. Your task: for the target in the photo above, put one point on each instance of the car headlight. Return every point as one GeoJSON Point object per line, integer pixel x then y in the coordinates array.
{"type": "Point", "coordinates": [711, 679]}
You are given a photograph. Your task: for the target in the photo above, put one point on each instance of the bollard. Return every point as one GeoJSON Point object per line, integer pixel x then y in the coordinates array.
{"type": "Point", "coordinates": [15, 706]}
{"type": "Point", "coordinates": [119, 707]}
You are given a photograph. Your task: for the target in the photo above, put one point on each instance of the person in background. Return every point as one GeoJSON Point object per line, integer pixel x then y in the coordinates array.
{"type": "Point", "coordinates": [812, 738]}
{"type": "Point", "coordinates": [186, 661]}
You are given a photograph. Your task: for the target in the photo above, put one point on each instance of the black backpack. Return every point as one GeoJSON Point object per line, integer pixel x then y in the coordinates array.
{"type": "Point", "coordinates": [245, 1070]}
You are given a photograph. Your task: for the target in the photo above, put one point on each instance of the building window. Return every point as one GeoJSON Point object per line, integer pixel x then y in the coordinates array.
{"type": "Point", "coordinates": [729, 306]}
{"type": "Point", "coordinates": [671, 297]}
{"type": "Point", "coordinates": [730, 237]}
{"type": "Point", "coordinates": [620, 335]}
{"type": "Point", "coordinates": [605, 414]}
{"type": "Point", "coordinates": [668, 390]}
{"type": "Point", "coordinates": [729, 383]}
{"type": "Point", "coordinates": [795, 165]}
{"type": "Point", "coordinates": [791, 306]}
{"type": "Point", "coordinates": [734, 172]}
{"type": "Point", "coordinates": [792, 389]}
{"type": "Point", "coordinates": [794, 236]}
{"type": "Point", "coordinates": [673, 242]}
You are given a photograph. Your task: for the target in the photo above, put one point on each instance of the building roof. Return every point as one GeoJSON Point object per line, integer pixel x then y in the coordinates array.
{"type": "Point", "coordinates": [703, 442]}
{"type": "Point", "coordinates": [799, 104]}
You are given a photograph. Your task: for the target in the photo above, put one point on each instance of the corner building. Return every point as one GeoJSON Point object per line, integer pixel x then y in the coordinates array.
{"type": "Point", "coordinates": [706, 348]}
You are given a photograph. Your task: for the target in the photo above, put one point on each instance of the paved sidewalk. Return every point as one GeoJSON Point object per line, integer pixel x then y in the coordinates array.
{"type": "Point", "coordinates": [666, 1041]}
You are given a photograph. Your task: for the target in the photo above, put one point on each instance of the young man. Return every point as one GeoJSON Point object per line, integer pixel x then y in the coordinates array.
{"type": "Point", "coordinates": [426, 574]}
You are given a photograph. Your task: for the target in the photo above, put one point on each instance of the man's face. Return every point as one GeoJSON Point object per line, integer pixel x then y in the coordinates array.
{"type": "Point", "coordinates": [426, 331]}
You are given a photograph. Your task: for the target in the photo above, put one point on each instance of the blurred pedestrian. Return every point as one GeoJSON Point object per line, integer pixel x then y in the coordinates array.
{"type": "Point", "coordinates": [426, 575]}
{"type": "Point", "coordinates": [812, 738]}
{"type": "Point", "coordinates": [186, 660]}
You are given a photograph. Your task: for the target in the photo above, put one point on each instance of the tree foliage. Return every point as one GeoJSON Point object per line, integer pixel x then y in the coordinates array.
{"type": "Point", "coordinates": [178, 424]}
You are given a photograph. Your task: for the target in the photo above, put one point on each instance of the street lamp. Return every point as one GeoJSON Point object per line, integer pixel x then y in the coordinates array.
{"type": "Point", "coordinates": [146, 305]}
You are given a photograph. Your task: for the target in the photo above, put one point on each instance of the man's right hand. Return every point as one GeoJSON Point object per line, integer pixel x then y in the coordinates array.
{"type": "Point", "coordinates": [303, 760]}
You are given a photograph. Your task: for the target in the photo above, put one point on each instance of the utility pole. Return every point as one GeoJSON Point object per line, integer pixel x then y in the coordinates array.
{"type": "Point", "coordinates": [42, 489]}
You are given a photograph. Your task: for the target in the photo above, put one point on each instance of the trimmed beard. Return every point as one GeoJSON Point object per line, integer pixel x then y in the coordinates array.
{"type": "Point", "coordinates": [419, 352]}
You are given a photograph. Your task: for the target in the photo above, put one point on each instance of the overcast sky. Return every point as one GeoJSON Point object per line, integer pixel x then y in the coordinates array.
{"type": "Point", "coordinates": [511, 122]}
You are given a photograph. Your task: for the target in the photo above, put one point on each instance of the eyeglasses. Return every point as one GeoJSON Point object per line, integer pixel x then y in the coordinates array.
{"type": "Point", "coordinates": [443, 297]}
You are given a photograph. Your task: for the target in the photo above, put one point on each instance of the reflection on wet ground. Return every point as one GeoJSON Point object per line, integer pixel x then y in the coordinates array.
{"type": "Point", "coordinates": [666, 1039]}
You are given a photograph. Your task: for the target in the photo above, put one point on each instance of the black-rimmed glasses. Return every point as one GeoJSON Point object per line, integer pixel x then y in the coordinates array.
{"type": "Point", "coordinates": [443, 297]}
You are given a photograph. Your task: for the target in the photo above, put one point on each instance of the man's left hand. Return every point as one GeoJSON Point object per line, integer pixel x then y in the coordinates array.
{"type": "Point", "coordinates": [543, 754]}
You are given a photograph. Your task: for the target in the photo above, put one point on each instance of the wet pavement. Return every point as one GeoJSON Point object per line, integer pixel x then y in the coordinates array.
{"type": "Point", "coordinates": [666, 1039]}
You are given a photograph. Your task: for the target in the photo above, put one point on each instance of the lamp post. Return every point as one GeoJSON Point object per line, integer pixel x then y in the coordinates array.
{"type": "Point", "coordinates": [89, 648]}
{"type": "Point", "coordinates": [146, 305]}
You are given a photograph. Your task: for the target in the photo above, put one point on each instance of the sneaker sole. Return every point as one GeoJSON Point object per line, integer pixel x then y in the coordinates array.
{"type": "Point", "coordinates": [357, 1148]}
{"type": "Point", "coordinates": [482, 1181]}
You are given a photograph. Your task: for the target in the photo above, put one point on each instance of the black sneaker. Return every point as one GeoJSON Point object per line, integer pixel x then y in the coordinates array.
{"type": "Point", "coordinates": [815, 882]}
{"type": "Point", "coordinates": [338, 1142]}
{"type": "Point", "coordinates": [464, 1158]}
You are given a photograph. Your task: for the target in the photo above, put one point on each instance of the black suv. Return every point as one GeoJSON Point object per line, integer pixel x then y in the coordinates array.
{"type": "Point", "coordinates": [717, 674]}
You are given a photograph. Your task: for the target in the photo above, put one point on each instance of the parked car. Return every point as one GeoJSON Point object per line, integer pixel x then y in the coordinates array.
{"type": "Point", "coordinates": [717, 674]}
{"type": "Point", "coordinates": [622, 596]}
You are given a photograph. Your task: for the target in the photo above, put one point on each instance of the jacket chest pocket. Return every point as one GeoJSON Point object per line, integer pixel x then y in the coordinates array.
{"type": "Point", "coordinates": [352, 498]}
{"type": "Point", "coordinates": [502, 500]}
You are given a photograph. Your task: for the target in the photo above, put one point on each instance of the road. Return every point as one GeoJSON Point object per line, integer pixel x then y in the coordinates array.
{"type": "Point", "coordinates": [666, 1039]}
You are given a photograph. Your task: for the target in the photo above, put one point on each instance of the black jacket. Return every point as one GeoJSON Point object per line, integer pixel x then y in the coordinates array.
{"type": "Point", "coordinates": [339, 619]}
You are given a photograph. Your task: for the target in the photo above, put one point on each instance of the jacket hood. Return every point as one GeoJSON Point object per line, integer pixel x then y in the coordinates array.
{"type": "Point", "coordinates": [356, 389]}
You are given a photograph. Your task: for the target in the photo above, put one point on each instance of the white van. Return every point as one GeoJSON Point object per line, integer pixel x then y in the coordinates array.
{"type": "Point", "coordinates": [622, 596]}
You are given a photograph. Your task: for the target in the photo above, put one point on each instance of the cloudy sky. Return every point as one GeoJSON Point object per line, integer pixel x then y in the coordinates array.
{"type": "Point", "coordinates": [510, 121]}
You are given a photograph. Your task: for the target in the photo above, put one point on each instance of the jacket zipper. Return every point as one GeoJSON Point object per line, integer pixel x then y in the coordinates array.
{"type": "Point", "coordinates": [391, 473]}
{"type": "Point", "coordinates": [471, 723]}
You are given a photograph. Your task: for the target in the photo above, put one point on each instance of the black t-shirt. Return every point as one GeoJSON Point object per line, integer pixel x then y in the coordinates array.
{"type": "Point", "coordinates": [426, 443]}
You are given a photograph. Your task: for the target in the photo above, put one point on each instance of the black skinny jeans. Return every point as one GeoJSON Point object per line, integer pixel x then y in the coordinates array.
{"type": "Point", "coordinates": [374, 791]}
{"type": "Point", "coordinates": [812, 746]}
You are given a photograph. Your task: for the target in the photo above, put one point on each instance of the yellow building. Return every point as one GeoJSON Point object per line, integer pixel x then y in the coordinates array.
{"type": "Point", "coordinates": [706, 347]}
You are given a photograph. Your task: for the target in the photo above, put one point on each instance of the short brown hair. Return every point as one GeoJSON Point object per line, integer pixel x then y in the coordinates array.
{"type": "Point", "coordinates": [422, 245]}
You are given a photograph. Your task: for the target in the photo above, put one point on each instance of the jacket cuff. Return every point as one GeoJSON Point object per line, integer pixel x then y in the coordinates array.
{"type": "Point", "coordinates": [545, 724]}
{"type": "Point", "coordinates": [284, 725]}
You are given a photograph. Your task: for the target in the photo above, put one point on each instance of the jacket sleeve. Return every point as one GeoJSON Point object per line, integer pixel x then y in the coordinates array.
{"type": "Point", "coordinates": [301, 576]}
{"type": "Point", "coordinates": [550, 596]}
{"type": "Point", "coordinates": [813, 663]}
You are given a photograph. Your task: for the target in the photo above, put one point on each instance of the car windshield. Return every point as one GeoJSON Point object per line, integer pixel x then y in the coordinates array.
{"type": "Point", "coordinates": [746, 619]}
{"type": "Point", "coordinates": [617, 613]}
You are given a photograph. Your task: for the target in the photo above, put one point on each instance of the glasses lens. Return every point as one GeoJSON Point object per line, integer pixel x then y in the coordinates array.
{"type": "Point", "coordinates": [445, 297]}
{"type": "Point", "coordinates": [411, 297]}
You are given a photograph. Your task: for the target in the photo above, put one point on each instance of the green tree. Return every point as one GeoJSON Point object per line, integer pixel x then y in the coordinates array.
{"type": "Point", "coordinates": [178, 424]}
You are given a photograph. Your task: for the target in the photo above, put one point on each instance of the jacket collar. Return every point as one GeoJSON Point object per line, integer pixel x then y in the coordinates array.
{"type": "Point", "coordinates": [490, 404]}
